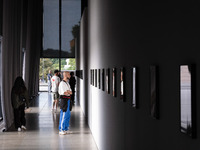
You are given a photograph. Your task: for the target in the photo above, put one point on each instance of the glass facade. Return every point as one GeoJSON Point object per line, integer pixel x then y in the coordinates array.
{"type": "Point", "coordinates": [71, 14]}
{"type": "Point", "coordinates": [51, 28]}
{"type": "Point", "coordinates": [68, 64]}
{"type": "Point", "coordinates": [60, 26]}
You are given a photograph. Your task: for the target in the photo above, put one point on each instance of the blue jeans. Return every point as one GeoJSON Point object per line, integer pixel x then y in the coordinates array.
{"type": "Point", "coordinates": [64, 118]}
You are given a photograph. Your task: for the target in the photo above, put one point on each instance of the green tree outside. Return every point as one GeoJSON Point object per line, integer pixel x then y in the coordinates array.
{"type": "Point", "coordinates": [47, 64]}
{"type": "Point", "coordinates": [72, 63]}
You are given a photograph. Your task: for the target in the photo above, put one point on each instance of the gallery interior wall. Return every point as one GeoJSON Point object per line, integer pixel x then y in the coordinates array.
{"type": "Point", "coordinates": [141, 34]}
{"type": "Point", "coordinates": [84, 62]}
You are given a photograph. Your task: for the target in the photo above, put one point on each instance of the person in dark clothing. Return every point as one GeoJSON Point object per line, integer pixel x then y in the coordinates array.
{"type": "Point", "coordinates": [59, 75]}
{"type": "Point", "coordinates": [72, 82]}
{"type": "Point", "coordinates": [19, 99]}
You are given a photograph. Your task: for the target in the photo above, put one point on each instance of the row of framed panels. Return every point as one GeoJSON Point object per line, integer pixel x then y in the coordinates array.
{"type": "Point", "coordinates": [187, 112]}
{"type": "Point", "coordinates": [99, 77]}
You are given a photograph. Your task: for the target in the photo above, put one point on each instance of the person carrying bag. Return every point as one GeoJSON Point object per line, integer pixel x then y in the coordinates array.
{"type": "Point", "coordinates": [20, 100]}
{"type": "Point", "coordinates": [65, 93]}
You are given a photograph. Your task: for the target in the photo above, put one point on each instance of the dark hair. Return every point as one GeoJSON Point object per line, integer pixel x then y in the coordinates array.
{"type": "Point", "coordinates": [71, 73]}
{"type": "Point", "coordinates": [56, 71]}
{"type": "Point", "coordinates": [19, 85]}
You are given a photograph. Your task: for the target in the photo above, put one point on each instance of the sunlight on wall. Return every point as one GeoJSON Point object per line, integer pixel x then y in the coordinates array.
{"type": "Point", "coordinates": [95, 114]}
{"type": "Point", "coordinates": [82, 101]}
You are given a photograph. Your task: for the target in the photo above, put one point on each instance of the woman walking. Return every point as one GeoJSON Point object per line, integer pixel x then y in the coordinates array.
{"type": "Point", "coordinates": [20, 99]}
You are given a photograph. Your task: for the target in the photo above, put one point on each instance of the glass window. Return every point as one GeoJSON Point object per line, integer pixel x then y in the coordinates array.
{"type": "Point", "coordinates": [68, 64]}
{"type": "Point", "coordinates": [51, 29]}
{"type": "Point", "coordinates": [71, 14]}
{"type": "Point", "coordinates": [47, 65]}
{"type": "Point", "coordinates": [59, 41]}
{"type": "Point", "coordinates": [186, 100]}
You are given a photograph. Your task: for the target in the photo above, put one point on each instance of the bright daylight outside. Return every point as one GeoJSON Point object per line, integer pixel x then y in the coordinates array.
{"type": "Point", "coordinates": [50, 64]}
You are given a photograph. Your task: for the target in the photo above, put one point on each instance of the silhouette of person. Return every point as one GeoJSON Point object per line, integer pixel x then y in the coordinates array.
{"type": "Point", "coordinates": [19, 99]}
{"type": "Point", "coordinates": [72, 82]}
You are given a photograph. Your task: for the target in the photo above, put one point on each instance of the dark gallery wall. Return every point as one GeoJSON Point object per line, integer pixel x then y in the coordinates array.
{"type": "Point", "coordinates": [1, 16]}
{"type": "Point", "coordinates": [141, 34]}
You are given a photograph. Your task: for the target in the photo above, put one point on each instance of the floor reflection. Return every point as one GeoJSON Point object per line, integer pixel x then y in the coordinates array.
{"type": "Point", "coordinates": [42, 129]}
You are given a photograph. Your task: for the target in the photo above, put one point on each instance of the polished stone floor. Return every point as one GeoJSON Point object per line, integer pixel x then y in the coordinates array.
{"type": "Point", "coordinates": [42, 130]}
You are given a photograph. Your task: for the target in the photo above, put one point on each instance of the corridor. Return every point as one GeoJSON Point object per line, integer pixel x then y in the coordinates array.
{"type": "Point", "coordinates": [42, 130]}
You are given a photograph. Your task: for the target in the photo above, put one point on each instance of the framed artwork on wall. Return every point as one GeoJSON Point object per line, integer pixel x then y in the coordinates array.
{"type": "Point", "coordinates": [108, 81]}
{"type": "Point", "coordinates": [102, 79]}
{"type": "Point", "coordinates": [122, 84]}
{"type": "Point", "coordinates": [114, 82]}
{"type": "Point", "coordinates": [154, 111]}
{"type": "Point", "coordinates": [134, 76]}
{"type": "Point", "coordinates": [187, 106]}
{"type": "Point", "coordinates": [95, 77]}
{"type": "Point", "coordinates": [91, 76]}
{"type": "Point", "coordinates": [99, 78]}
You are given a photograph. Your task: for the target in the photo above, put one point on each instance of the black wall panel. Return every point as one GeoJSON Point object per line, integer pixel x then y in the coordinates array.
{"type": "Point", "coordinates": [1, 16]}
{"type": "Point", "coordinates": [142, 34]}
